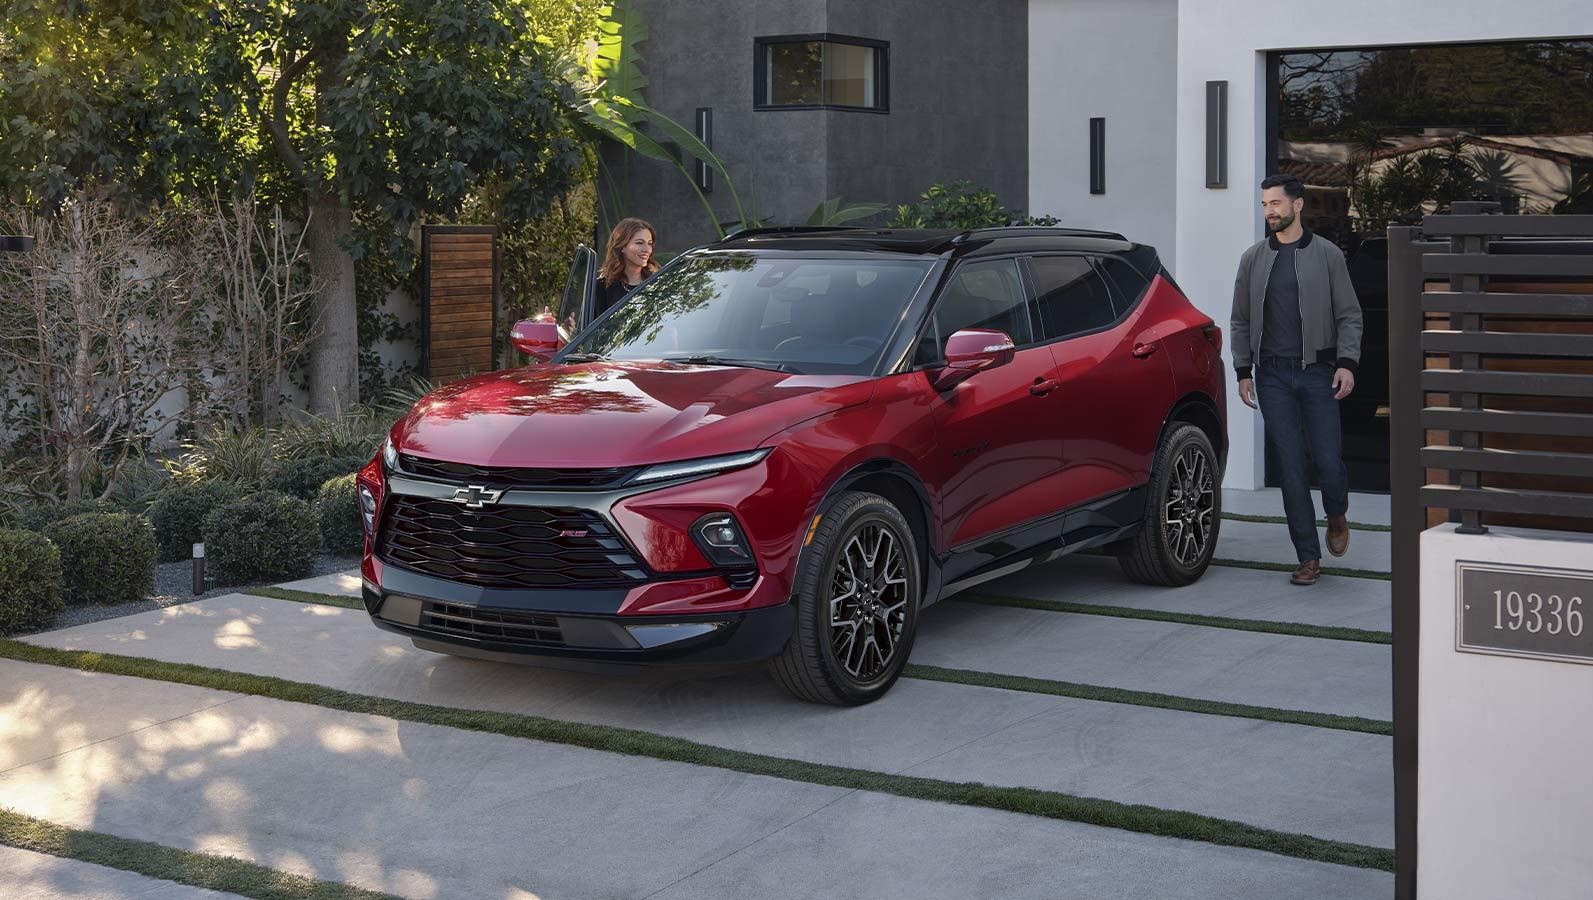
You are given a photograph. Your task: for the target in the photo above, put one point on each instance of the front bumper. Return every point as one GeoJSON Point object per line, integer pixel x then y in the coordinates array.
{"type": "Point", "coordinates": [573, 625]}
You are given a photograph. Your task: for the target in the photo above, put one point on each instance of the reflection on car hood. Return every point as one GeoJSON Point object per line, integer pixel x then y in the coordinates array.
{"type": "Point", "coordinates": [616, 413]}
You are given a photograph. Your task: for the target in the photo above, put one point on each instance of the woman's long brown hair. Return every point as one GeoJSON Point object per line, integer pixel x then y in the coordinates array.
{"type": "Point", "coordinates": [613, 269]}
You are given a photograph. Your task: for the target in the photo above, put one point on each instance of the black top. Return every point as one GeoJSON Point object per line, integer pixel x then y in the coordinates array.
{"type": "Point", "coordinates": [610, 293]}
{"type": "Point", "coordinates": [1280, 325]}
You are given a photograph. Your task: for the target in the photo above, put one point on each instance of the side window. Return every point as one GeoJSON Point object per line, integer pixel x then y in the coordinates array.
{"type": "Point", "coordinates": [1071, 296]}
{"type": "Point", "coordinates": [980, 295]}
{"type": "Point", "coordinates": [1126, 279]}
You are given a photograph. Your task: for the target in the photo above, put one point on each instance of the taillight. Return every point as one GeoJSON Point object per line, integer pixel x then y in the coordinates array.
{"type": "Point", "coordinates": [1213, 336]}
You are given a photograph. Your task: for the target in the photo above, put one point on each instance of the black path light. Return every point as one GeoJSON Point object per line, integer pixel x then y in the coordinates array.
{"type": "Point", "coordinates": [16, 243]}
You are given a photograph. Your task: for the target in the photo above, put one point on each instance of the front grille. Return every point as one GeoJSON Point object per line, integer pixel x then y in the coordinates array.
{"type": "Point", "coordinates": [497, 625]}
{"type": "Point", "coordinates": [507, 546]}
{"type": "Point", "coordinates": [509, 477]}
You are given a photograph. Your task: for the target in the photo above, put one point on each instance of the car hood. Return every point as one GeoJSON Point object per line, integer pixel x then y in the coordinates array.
{"type": "Point", "coordinates": [612, 414]}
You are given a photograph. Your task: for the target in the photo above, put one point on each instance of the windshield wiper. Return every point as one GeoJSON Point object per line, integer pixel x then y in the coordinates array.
{"type": "Point", "coordinates": [708, 359]}
{"type": "Point", "coordinates": [582, 357]}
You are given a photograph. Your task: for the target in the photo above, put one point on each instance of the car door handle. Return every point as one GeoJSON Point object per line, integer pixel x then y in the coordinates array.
{"type": "Point", "coordinates": [1043, 386]}
{"type": "Point", "coordinates": [1141, 351]}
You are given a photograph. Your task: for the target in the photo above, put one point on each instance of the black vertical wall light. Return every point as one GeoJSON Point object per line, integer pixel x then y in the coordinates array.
{"type": "Point", "coordinates": [1216, 134]}
{"type": "Point", "coordinates": [1098, 156]}
{"type": "Point", "coordinates": [705, 133]}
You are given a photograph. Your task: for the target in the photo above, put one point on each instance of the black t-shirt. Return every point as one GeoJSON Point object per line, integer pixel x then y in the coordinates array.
{"type": "Point", "coordinates": [610, 293]}
{"type": "Point", "coordinates": [1280, 322]}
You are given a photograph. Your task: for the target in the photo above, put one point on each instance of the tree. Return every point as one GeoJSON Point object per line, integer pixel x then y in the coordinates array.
{"type": "Point", "coordinates": [392, 111]}
{"type": "Point", "coordinates": [371, 112]}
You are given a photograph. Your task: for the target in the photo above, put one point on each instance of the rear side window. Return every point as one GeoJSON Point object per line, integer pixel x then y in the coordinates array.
{"type": "Point", "coordinates": [1071, 296]}
{"type": "Point", "coordinates": [1126, 279]}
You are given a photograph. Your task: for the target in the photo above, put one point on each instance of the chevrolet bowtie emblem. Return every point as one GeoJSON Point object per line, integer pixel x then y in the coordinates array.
{"type": "Point", "coordinates": [476, 496]}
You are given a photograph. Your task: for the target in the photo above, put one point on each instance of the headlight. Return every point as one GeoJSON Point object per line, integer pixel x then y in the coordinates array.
{"type": "Point", "coordinates": [702, 466]}
{"type": "Point", "coordinates": [368, 509]}
{"type": "Point", "coordinates": [389, 454]}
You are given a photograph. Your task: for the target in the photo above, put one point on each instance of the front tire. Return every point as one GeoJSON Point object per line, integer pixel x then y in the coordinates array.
{"type": "Point", "coordinates": [858, 591]}
{"type": "Point", "coordinates": [1183, 513]}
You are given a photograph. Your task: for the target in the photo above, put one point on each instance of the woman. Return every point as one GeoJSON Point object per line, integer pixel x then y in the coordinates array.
{"type": "Point", "coordinates": [628, 260]}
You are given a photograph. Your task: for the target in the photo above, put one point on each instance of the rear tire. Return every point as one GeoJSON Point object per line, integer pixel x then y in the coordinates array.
{"type": "Point", "coordinates": [1183, 513]}
{"type": "Point", "coordinates": [858, 591]}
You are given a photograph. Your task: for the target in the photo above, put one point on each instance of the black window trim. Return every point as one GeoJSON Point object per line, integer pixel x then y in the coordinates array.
{"type": "Point", "coordinates": [882, 68]}
{"type": "Point", "coordinates": [1111, 291]}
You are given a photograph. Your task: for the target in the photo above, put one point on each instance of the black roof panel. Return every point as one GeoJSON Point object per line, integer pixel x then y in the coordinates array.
{"type": "Point", "coordinates": [923, 241]}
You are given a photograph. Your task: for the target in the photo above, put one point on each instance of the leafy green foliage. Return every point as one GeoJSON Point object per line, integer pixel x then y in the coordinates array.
{"type": "Point", "coordinates": [834, 212]}
{"type": "Point", "coordinates": [302, 477]}
{"type": "Point", "coordinates": [262, 537]}
{"type": "Point", "coordinates": [179, 512]}
{"type": "Point", "coordinates": [225, 452]}
{"type": "Point", "coordinates": [337, 504]}
{"type": "Point", "coordinates": [961, 205]}
{"type": "Point", "coordinates": [37, 516]}
{"type": "Point", "coordinates": [31, 590]}
{"type": "Point", "coordinates": [110, 557]}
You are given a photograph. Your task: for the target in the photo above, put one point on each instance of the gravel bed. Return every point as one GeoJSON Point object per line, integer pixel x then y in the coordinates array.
{"type": "Point", "coordinates": [173, 582]}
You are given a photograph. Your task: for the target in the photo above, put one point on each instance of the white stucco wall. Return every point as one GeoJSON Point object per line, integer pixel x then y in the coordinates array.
{"type": "Point", "coordinates": [1228, 40]}
{"type": "Point", "coordinates": [1115, 59]}
{"type": "Point", "coordinates": [1505, 804]}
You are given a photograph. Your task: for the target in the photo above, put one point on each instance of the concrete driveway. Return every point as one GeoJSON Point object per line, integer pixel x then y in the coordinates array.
{"type": "Point", "coordinates": [424, 810]}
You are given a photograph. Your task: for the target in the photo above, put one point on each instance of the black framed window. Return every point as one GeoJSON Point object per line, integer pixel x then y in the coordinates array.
{"type": "Point", "coordinates": [983, 294]}
{"type": "Point", "coordinates": [1071, 296]}
{"type": "Point", "coordinates": [817, 71]}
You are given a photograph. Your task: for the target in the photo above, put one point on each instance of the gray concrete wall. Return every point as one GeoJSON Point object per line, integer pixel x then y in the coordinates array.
{"type": "Point", "coordinates": [958, 98]}
{"type": "Point", "coordinates": [1117, 59]}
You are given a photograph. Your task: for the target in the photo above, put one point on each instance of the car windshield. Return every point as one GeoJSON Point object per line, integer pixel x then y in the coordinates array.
{"type": "Point", "coordinates": [804, 315]}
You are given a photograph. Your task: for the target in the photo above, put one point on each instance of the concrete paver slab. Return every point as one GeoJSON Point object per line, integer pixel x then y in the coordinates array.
{"type": "Point", "coordinates": [1269, 542]}
{"type": "Point", "coordinates": [343, 584]}
{"type": "Point", "coordinates": [36, 723]}
{"type": "Point", "coordinates": [1340, 677]}
{"type": "Point", "coordinates": [25, 875]}
{"type": "Point", "coordinates": [1370, 509]}
{"type": "Point", "coordinates": [418, 810]}
{"type": "Point", "coordinates": [1126, 753]}
{"type": "Point", "coordinates": [1222, 591]}
{"type": "Point", "coordinates": [889, 848]}
{"type": "Point", "coordinates": [426, 811]}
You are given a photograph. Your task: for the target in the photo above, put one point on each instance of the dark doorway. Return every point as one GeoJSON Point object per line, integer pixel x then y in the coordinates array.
{"type": "Point", "coordinates": [1383, 136]}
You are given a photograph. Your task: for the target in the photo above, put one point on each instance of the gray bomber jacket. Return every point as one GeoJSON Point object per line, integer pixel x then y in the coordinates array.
{"type": "Point", "coordinates": [1330, 315]}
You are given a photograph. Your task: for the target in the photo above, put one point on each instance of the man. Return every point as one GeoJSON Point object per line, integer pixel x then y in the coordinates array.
{"type": "Point", "coordinates": [1296, 337]}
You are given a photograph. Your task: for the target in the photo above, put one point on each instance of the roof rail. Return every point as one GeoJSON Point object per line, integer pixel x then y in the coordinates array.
{"type": "Point", "coordinates": [1025, 230]}
{"type": "Point", "coordinates": [791, 229]}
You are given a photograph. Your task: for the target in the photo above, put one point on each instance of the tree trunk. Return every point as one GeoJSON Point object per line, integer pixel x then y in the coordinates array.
{"type": "Point", "coordinates": [334, 350]}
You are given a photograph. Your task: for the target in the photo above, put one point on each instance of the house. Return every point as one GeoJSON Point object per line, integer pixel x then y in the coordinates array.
{"type": "Point", "coordinates": [1156, 118]}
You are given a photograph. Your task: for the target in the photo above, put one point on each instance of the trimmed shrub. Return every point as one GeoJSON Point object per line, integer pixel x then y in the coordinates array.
{"type": "Point", "coordinates": [31, 591]}
{"type": "Point", "coordinates": [338, 506]}
{"type": "Point", "coordinates": [267, 536]}
{"type": "Point", "coordinates": [38, 516]}
{"type": "Point", "coordinates": [179, 511]}
{"type": "Point", "coordinates": [108, 557]}
{"type": "Point", "coordinates": [303, 477]}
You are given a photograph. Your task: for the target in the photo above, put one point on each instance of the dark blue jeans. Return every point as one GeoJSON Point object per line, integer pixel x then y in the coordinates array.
{"type": "Point", "coordinates": [1298, 408]}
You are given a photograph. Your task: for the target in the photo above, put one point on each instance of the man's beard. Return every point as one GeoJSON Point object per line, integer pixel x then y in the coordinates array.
{"type": "Point", "coordinates": [1282, 223]}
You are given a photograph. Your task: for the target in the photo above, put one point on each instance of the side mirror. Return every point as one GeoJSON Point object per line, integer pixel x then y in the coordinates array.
{"type": "Point", "coordinates": [537, 338]}
{"type": "Point", "coordinates": [969, 352]}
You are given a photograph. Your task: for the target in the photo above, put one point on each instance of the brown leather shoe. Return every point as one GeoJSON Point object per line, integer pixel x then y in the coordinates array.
{"type": "Point", "coordinates": [1338, 535]}
{"type": "Point", "coordinates": [1308, 573]}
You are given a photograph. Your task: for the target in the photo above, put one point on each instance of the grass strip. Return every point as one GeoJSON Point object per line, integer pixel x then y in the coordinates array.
{"type": "Point", "coordinates": [1320, 523]}
{"type": "Point", "coordinates": [1147, 698]}
{"type": "Point", "coordinates": [1298, 629]}
{"type": "Point", "coordinates": [612, 739]}
{"type": "Point", "coordinates": [202, 870]}
{"type": "Point", "coordinates": [1287, 567]}
{"type": "Point", "coordinates": [305, 597]}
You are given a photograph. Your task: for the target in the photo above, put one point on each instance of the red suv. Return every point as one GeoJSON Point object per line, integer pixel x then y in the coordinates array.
{"type": "Point", "coordinates": [786, 445]}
